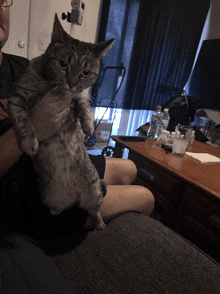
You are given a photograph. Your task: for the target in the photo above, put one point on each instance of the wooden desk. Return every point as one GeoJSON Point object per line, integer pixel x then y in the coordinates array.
{"type": "Point", "coordinates": [187, 192]}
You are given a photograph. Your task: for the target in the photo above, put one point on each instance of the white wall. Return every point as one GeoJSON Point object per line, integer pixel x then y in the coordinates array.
{"type": "Point", "coordinates": [19, 21]}
{"type": "Point", "coordinates": [41, 23]}
{"type": "Point", "coordinates": [88, 31]}
{"type": "Point", "coordinates": [42, 17]}
{"type": "Point", "coordinates": [32, 23]}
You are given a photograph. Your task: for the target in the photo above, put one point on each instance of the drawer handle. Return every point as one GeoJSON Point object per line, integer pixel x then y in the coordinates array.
{"type": "Point", "coordinates": [215, 220]}
{"type": "Point", "coordinates": [145, 174]}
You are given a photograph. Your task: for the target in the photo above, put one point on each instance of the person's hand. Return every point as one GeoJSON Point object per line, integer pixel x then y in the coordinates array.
{"type": "Point", "coordinates": [49, 115]}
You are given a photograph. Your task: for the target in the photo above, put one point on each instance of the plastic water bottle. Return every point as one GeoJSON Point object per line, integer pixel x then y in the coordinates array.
{"type": "Point", "coordinates": [192, 138]}
{"type": "Point", "coordinates": [165, 121]}
{"type": "Point", "coordinates": [156, 120]}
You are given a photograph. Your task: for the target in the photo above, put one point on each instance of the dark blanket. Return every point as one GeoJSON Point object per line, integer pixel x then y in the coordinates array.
{"type": "Point", "coordinates": [135, 254]}
{"type": "Point", "coordinates": [25, 269]}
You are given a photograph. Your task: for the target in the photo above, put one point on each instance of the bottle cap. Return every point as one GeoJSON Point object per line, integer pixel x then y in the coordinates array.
{"type": "Point", "coordinates": [159, 107]}
{"type": "Point", "coordinates": [166, 109]}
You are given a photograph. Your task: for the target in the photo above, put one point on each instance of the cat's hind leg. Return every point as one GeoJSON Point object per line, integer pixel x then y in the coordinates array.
{"type": "Point", "coordinates": [95, 220]}
{"type": "Point", "coordinates": [92, 203]}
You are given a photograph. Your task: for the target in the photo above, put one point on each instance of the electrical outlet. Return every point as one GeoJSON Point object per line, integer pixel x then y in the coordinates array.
{"type": "Point", "coordinates": [42, 45]}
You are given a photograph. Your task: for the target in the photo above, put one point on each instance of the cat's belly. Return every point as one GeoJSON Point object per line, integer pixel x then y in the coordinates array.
{"type": "Point", "coordinates": [60, 169]}
{"type": "Point", "coordinates": [64, 160]}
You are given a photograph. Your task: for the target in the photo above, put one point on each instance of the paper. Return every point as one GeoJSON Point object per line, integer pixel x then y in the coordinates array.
{"type": "Point", "coordinates": [203, 157]}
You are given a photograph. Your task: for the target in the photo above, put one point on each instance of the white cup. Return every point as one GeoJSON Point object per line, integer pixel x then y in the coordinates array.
{"type": "Point", "coordinates": [179, 146]}
{"type": "Point", "coordinates": [181, 139]}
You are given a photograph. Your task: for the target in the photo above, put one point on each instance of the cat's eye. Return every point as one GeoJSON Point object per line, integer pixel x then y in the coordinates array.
{"type": "Point", "coordinates": [86, 73]}
{"type": "Point", "coordinates": [63, 64]}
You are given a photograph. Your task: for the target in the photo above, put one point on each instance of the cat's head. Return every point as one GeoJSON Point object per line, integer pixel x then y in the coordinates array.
{"type": "Point", "coordinates": [71, 61]}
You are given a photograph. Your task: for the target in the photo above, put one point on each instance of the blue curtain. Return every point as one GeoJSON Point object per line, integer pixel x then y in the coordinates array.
{"type": "Point", "coordinates": [118, 21]}
{"type": "Point", "coordinates": [156, 40]}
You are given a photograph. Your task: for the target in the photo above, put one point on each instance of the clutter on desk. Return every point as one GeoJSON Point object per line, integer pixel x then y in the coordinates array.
{"type": "Point", "coordinates": [159, 121]}
{"type": "Point", "coordinates": [186, 110]}
{"type": "Point", "coordinates": [181, 139]}
{"type": "Point", "coordinates": [177, 141]}
{"type": "Point", "coordinates": [155, 123]}
{"type": "Point", "coordinates": [192, 138]}
{"type": "Point", "coordinates": [209, 125]}
{"type": "Point", "coordinates": [182, 108]}
{"type": "Point", "coordinates": [164, 137]}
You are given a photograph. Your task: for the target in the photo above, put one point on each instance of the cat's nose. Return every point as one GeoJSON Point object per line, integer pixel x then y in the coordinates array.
{"type": "Point", "coordinates": [72, 85]}
{"type": "Point", "coordinates": [76, 90]}
{"type": "Point", "coordinates": [73, 81]}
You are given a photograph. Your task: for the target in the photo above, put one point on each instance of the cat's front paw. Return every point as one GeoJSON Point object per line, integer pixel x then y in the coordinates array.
{"type": "Point", "coordinates": [29, 146]}
{"type": "Point", "coordinates": [88, 128]}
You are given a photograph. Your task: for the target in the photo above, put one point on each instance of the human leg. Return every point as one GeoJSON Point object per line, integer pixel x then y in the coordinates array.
{"type": "Point", "coordinates": [119, 171]}
{"type": "Point", "coordinates": [121, 199]}
{"type": "Point", "coordinates": [125, 198]}
{"type": "Point", "coordinates": [121, 196]}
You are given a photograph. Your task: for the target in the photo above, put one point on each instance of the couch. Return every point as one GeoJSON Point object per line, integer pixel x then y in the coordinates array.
{"type": "Point", "coordinates": [135, 254]}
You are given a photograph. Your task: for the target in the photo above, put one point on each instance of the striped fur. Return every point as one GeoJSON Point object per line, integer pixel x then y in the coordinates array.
{"type": "Point", "coordinates": [66, 174]}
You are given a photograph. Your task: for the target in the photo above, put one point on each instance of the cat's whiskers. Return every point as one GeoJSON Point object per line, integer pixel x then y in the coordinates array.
{"type": "Point", "coordinates": [84, 94]}
{"type": "Point", "coordinates": [36, 86]}
{"type": "Point", "coordinates": [92, 99]}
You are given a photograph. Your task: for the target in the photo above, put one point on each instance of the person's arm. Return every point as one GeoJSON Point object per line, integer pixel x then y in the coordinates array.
{"type": "Point", "coordinates": [9, 151]}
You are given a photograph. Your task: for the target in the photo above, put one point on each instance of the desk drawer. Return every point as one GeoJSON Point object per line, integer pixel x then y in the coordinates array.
{"type": "Point", "coordinates": [198, 234]}
{"type": "Point", "coordinates": [202, 206]}
{"type": "Point", "coordinates": [157, 176]}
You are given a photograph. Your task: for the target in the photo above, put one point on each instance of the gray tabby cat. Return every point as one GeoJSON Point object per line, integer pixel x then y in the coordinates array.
{"type": "Point", "coordinates": [66, 174]}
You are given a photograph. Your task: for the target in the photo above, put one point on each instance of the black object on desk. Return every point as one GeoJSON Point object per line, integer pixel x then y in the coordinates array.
{"type": "Point", "coordinates": [167, 147]}
{"type": "Point", "coordinates": [132, 139]}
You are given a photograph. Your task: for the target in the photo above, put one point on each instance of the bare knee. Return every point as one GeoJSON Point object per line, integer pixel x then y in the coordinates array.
{"type": "Point", "coordinates": [145, 200]}
{"type": "Point", "coordinates": [120, 171]}
{"type": "Point", "coordinates": [129, 172]}
{"type": "Point", "coordinates": [125, 198]}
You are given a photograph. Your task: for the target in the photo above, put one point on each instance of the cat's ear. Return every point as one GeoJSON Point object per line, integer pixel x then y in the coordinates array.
{"type": "Point", "coordinates": [103, 47]}
{"type": "Point", "coordinates": [58, 35]}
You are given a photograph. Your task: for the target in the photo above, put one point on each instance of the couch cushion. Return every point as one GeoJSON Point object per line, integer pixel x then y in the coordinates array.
{"type": "Point", "coordinates": [136, 254]}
